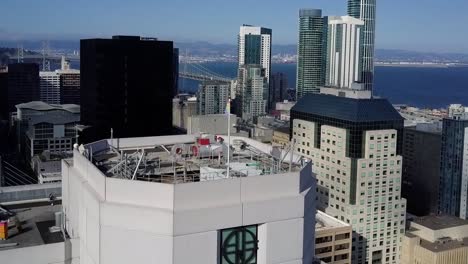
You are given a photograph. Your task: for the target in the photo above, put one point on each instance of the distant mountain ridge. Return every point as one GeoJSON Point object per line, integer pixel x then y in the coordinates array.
{"type": "Point", "coordinates": [206, 49]}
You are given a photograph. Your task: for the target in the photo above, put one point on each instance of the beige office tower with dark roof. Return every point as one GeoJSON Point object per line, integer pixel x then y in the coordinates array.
{"type": "Point", "coordinates": [355, 147]}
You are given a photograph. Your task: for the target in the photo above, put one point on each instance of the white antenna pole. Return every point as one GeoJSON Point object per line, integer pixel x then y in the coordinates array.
{"type": "Point", "coordinates": [112, 137]}
{"type": "Point", "coordinates": [228, 111]}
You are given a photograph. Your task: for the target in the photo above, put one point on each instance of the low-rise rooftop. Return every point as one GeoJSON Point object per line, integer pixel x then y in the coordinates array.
{"type": "Point", "coordinates": [444, 245]}
{"type": "Point", "coordinates": [324, 222]}
{"type": "Point", "coordinates": [35, 220]}
{"type": "Point", "coordinates": [439, 222]}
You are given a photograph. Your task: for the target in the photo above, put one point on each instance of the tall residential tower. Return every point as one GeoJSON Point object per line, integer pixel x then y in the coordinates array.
{"type": "Point", "coordinates": [255, 51]}
{"type": "Point", "coordinates": [343, 60]}
{"type": "Point", "coordinates": [366, 11]}
{"type": "Point", "coordinates": [310, 52]}
{"type": "Point", "coordinates": [255, 47]}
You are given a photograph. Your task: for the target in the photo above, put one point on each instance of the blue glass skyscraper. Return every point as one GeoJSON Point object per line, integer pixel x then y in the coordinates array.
{"type": "Point", "coordinates": [454, 168]}
{"type": "Point", "coordinates": [310, 53]}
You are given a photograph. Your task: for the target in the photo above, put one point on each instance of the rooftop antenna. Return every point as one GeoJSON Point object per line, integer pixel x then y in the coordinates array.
{"type": "Point", "coordinates": [228, 112]}
{"type": "Point", "coordinates": [186, 58]}
{"type": "Point", "coordinates": [112, 137]}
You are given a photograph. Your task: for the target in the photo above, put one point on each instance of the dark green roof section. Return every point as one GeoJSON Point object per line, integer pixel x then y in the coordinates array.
{"type": "Point", "coordinates": [347, 109]}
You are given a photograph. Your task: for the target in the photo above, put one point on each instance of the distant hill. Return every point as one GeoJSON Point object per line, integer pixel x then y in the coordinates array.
{"type": "Point", "coordinates": [404, 55]}
{"type": "Point", "coordinates": [201, 48]}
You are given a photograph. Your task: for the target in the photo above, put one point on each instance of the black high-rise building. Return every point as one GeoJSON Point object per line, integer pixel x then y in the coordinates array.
{"type": "Point", "coordinates": [70, 88]}
{"type": "Point", "coordinates": [3, 94]}
{"type": "Point", "coordinates": [23, 84]}
{"type": "Point", "coordinates": [421, 168]}
{"type": "Point", "coordinates": [453, 186]}
{"type": "Point", "coordinates": [176, 71]}
{"type": "Point", "coordinates": [127, 84]}
{"type": "Point", "coordinates": [278, 88]}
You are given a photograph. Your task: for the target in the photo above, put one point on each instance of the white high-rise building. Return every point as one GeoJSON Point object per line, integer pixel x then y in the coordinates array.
{"type": "Point", "coordinates": [50, 87]}
{"type": "Point", "coordinates": [252, 91]}
{"type": "Point", "coordinates": [343, 51]}
{"type": "Point", "coordinates": [170, 200]}
{"type": "Point", "coordinates": [355, 147]}
{"type": "Point", "coordinates": [255, 47]}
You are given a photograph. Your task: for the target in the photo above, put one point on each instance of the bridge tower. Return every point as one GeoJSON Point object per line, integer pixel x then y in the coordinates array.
{"type": "Point", "coordinates": [45, 53]}
{"type": "Point", "coordinates": [20, 55]}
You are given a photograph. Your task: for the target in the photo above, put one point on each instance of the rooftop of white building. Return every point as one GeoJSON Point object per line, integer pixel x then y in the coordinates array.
{"type": "Point", "coordinates": [187, 158]}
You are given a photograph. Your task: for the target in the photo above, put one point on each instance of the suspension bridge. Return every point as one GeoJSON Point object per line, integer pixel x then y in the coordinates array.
{"type": "Point", "coordinates": [198, 72]}
{"type": "Point", "coordinates": [188, 68]}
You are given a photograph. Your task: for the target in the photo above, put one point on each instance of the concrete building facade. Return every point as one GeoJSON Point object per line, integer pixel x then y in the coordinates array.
{"type": "Point", "coordinates": [281, 137]}
{"type": "Point", "coordinates": [44, 127]}
{"type": "Point", "coordinates": [333, 239]}
{"type": "Point", "coordinates": [436, 240]}
{"type": "Point", "coordinates": [212, 97]}
{"type": "Point", "coordinates": [183, 107]}
{"type": "Point", "coordinates": [252, 92]}
{"type": "Point", "coordinates": [203, 216]}
{"type": "Point", "coordinates": [355, 146]}
{"type": "Point", "coordinates": [211, 124]}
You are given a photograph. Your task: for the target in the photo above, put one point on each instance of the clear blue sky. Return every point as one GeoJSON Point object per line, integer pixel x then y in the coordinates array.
{"type": "Point", "coordinates": [427, 25]}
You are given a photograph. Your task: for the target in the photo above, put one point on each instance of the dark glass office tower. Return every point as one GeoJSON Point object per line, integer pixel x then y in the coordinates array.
{"type": "Point", "coordinates": [127, 84]}
{"type": "Point", "coordinates": [366, 11]}
{"type": "Point", "coordinates": [70, 88]}
{"type": "Point", "coordinates": [176, 71]}
{"type": "Point", "coordinates": [310, 53]}
{"type": "Point", "coordinates": [23, 84]}
{"type": "Point", "coordinates": [453, 188]}
{"type": "Point", "coordinates": [3, 94]}
{"type": "Point", "coordinates": [278, 88]}
{"type": "Point", "coordinates": [421, 168]}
